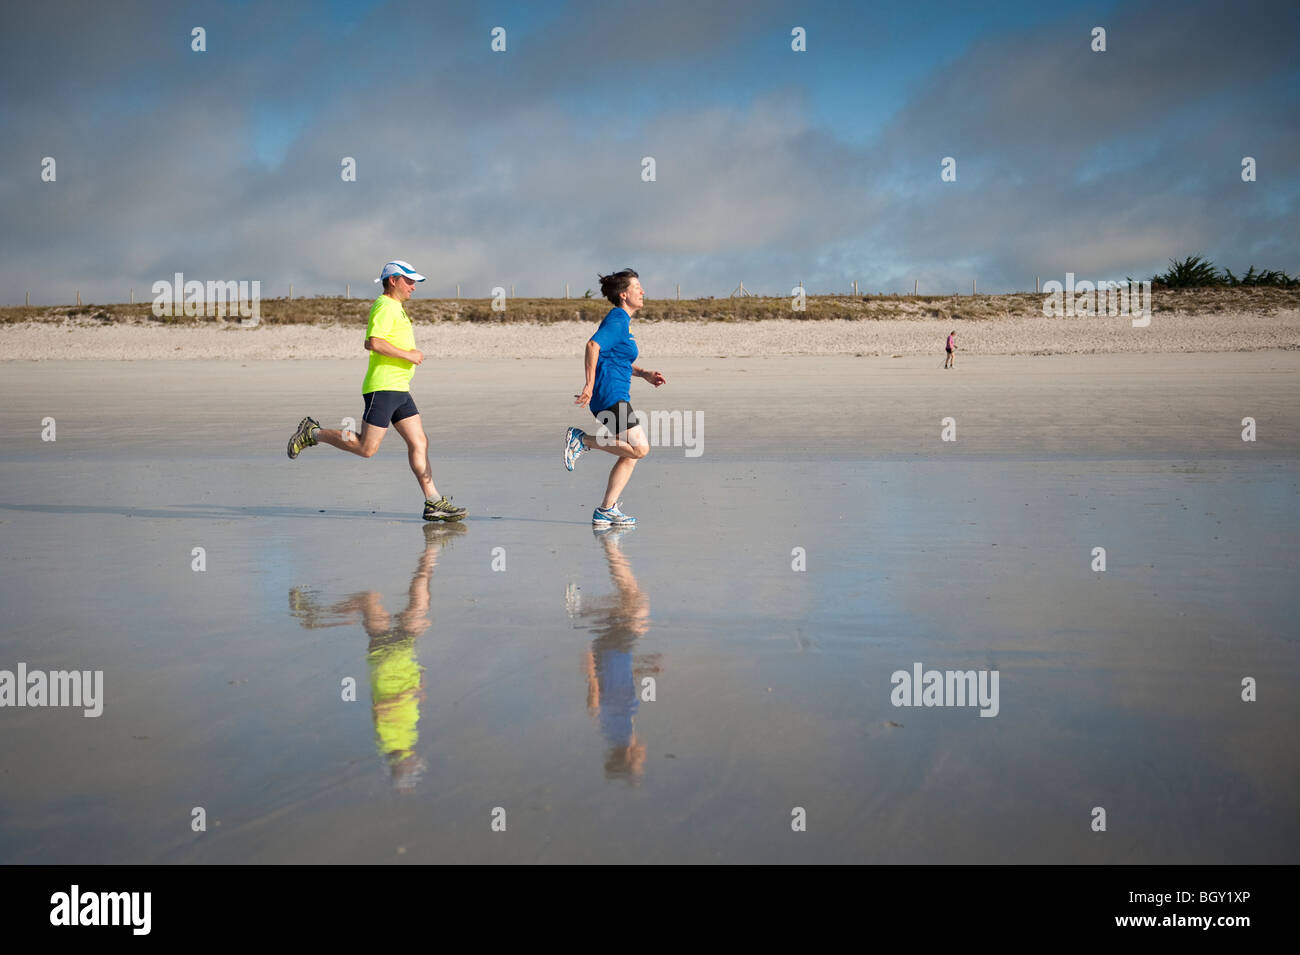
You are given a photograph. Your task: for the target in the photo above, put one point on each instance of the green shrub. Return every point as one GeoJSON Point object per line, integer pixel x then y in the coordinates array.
{"type": "Point", "coordinates": [1191, 272]}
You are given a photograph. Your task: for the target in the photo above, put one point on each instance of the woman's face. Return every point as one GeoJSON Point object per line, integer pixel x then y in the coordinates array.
{"type": "Point", "coordinates": [634, 297]}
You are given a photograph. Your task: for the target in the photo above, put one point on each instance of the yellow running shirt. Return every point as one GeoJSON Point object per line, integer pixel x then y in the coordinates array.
{"type": "Point", "coordinates": [389, 321]}
{"type": "Point", "coordinates": [395, 684]}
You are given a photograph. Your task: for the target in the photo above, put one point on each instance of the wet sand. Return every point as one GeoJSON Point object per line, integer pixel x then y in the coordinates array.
{"type": "Point", "coordinates": [501, 663]}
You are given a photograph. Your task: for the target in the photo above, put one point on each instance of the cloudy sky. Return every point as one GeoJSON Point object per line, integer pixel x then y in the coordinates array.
{"type": "Point", "coordinates": [524, 167]}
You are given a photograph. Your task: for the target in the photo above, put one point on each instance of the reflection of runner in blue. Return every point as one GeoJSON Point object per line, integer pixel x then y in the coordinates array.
{"type": "Point", "coordinates": [609, 366]}
{"type": "Point", "coordinates": [611, 669]}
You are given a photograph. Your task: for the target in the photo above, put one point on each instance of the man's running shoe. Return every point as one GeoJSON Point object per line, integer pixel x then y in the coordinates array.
{"type": "Point", "coordinates": [443, 510]}
{"type": "Point", "coordinates": [611, 517]}
{"type": "Point", "coordinates": [304, 437]}
{"type": "Point", "coordinates": [573, 447]}
{"type": "Point", "coordinates": [442, 534]}
{"type": "Point", "coordinates": [302, 604]}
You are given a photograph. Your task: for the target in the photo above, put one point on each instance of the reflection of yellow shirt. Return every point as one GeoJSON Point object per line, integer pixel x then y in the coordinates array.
{"type": "Point", "coordinates": [395, 692]}
{"type": "Point", "coordinates": [389, 321]}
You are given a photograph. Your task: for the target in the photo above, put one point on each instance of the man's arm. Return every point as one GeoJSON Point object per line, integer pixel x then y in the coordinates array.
{"type": "Point", "coordinates": [383, 346]}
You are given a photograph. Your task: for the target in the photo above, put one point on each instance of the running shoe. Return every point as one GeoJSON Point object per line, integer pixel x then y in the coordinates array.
{"type": "Point", "coordinates": [611, 517]}
{"type": "Point", "coordinates": [302, 604]}
{"type": "Point", "coordinates": [303, 437]}
{"type": "Point", "coordinates": [442, 534]}
{"type": "Point", "coordinates": [573, 447]}
{"type": "Point", "coordinates": [443, 510]}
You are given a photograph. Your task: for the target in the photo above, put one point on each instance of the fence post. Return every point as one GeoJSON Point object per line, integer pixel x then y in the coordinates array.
{"type": "Point", "coordinates": [512, 290]}
{"type": "Point", "coordinates": [458, 290]}
{"type": "Point", "coordinates": [291, 290]}
{"type": "Point", "coordinates": [972, 286]}
{"type": "Point", "coordinates": [29, 298]}
{"type": "Point", "coordinates": [132, 296]}
{"type": "Point", "coordinates": [679, 291]}
{"type": "Point", "coordinates": [78, 296]}
{"type": "Point", "coordinates": [1036, 287]}
{"type": "Point", "coordinates": [566, 289]}
{"type": "Point", "coordinates": [915, 285]}
{"type": "Point", "coordinates": [347, 290]}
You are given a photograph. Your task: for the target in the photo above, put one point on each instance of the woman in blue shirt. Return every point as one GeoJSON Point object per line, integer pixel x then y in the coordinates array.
{"type": "Point", "coordinates": [609, 365]}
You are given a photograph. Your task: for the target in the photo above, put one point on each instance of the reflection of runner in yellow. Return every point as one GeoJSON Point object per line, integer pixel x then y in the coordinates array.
{"type": "Point", "coordinates": [396, 677]}
{"type": "Point", "coordinates": [611, 670]}
{"type": "Point", "coordinates": [396, 688]}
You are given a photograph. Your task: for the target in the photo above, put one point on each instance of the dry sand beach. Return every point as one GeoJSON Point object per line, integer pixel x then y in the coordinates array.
{"type": "Point", "coordinates": [89, 339]}
{"type": "Point", "coordinates": [1119, 689]}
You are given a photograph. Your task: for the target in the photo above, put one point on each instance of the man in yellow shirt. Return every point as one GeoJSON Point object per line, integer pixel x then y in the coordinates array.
{"type": "Point", "coordinates": [386, 391]}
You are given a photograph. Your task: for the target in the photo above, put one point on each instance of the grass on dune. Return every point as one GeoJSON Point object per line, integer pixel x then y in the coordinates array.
{"type": "Point", "coordinates": [1259, 299]}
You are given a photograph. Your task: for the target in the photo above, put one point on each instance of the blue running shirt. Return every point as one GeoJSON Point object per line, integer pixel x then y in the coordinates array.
{"type": "Point", "coordinates": [618, 351]}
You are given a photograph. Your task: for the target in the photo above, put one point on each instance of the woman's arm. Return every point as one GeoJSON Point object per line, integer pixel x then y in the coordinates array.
{"type": "Point", "coordinates": [654, 377]}
{"type": "Point", "coordinates": [589, 370]}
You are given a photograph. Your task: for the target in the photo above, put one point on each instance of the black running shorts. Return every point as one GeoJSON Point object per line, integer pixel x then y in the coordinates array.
{"type": "Point", "coordinates": [618, 418]}
{"type": "Point", "coordinates": [387, 407]}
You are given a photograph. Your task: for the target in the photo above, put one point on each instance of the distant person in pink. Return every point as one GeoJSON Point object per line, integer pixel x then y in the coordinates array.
{"type": "Point", "coordinates": [950, 348]}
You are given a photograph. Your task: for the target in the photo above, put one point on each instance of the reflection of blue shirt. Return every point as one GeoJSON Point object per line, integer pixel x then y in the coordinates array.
{"type": "Point", "coordinates": [614, 366]}
{"type": "Point", "coordinates": [618, 698]}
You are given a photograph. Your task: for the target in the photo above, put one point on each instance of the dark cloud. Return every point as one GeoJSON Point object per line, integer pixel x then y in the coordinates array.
{"type": "Point", "coordinates": [525, 167]}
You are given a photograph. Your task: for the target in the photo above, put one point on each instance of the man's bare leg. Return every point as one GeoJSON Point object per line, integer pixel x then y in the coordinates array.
{"type": "Point", "coordinates": [417, 446]}
{"type": "Point", "coordinates": [364, 445]}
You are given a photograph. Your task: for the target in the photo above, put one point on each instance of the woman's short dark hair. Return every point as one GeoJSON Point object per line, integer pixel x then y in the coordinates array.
{"type": "Point", "coordinates": [612, 286]}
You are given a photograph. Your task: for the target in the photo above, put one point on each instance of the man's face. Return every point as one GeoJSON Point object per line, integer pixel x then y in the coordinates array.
{"type": "Point", "coordinates": [402, 287]}
{"type": "Point", "coordinates": [635, 295]}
